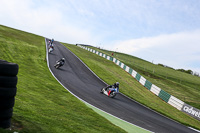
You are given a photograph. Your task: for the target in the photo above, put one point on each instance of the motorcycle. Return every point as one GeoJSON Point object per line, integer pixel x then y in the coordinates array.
{"type": "Point", "coordinates": [58, 64]}
{"type": "Point", "coordinates": [50, 49]}
{"type": "Point", "coordinates": [111, 92]}
{"type": "Point", "coordinates": [49, 42]}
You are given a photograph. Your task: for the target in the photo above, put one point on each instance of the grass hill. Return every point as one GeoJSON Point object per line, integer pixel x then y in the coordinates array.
{"type": "Point", "coordinates": [42, 105]}
{"type": "Point", "coordinates": [184, 86]}
{"type": "Point", "coordinates": [111, 73]}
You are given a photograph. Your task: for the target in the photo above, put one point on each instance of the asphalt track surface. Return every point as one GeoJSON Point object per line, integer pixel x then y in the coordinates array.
{"type": "Point", "coordinates": [80, 81]}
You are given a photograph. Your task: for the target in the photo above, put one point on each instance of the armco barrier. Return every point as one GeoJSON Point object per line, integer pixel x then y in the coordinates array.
{"type": "Point", "coordinates": [180, 105]}
{"type": "Point", "coordinates": [127, 69]}
{"type": "Point", "coordinates": [148, 85]}
{"type": "Point", "coordinates": [142, 80]}
{"type": "Point", "coordinates": [124, 67]}
{"type": "Point", "coordinates": [137, 77]}
{"type": "Point", "coordinates": [118, 62]}
{"type": "Point", "coordinates": [164, 95]}
{"type": "Point", "coordinates": [156, 90]}
{"type": "Point", "coordinates": [130, 70]}
{"type": "Point", "coordinates": [176, 102]}
{"type": "Point", "coordinates": [134, 73]}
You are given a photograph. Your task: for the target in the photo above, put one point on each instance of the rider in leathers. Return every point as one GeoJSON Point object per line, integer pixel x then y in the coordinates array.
{"type": "Point", "coordinates": [62, 61]}
{"type": "Point", "coordinates": [112, 87]}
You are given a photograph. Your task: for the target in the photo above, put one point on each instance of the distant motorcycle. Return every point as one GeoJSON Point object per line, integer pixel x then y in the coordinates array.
{"type": "Point", "coordinates": [50, 49]}
{"type": "Point", "coordinates": [111, 92]}
{"type": "Point", "coordinates": [49, 42]}
{"type": "Point", "coordinates": [59, 63]}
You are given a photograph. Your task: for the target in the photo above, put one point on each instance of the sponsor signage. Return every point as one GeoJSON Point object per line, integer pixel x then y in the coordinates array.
{"type": "Point", "coordinates": [191, 111]}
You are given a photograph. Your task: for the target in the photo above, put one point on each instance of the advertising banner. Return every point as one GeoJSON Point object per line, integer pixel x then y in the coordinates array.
{"type": "Point", "coordinates": [191, 111]}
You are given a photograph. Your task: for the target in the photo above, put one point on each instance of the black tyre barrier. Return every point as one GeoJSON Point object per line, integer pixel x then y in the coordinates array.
{"type": "Point", "coordinates": [8, 69]}
{"type": "Point", "coordinates": [6, 113]}
{"type": "Point", "coordinates": [7, 92]}
{"type": "Point", "coordinates": [5, 123]}
{"type": "Point", "coordinates": [6, 103]}
{"type": "Point", "coordinates": [8, 82]}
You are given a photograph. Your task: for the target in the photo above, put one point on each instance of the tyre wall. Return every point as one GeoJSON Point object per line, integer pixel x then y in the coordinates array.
{"type": "Point", "coordinates": [8, 90]}
{"type": "Point", "coordinates": [180, 105]}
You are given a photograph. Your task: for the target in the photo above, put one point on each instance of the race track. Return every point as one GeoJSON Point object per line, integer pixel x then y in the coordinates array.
{"type": "Point", "coordinates": [79, 80]}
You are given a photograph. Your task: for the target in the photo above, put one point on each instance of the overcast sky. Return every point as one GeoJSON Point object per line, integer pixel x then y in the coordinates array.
{"type": "Point", "coordinates": [162, 31]}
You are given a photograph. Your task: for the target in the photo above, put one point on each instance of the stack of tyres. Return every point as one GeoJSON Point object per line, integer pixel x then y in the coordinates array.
{"type": "Point", "coordinates": [8, 89]}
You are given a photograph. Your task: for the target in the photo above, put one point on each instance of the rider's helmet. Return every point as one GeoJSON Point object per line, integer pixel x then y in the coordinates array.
{"type": "Point", "coordinates": [117, 83]}
{"type": "Point", "coordinates": [63, 59]}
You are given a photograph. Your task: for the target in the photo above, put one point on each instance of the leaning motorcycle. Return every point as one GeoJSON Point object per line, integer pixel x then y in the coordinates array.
{"type": "Point", "coordinates": [113, 92]}
{"type": "Point", "coordinates": [58, 64]}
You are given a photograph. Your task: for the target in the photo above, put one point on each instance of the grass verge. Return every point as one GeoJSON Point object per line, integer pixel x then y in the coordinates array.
{"type": "Point", "coordinates": [124, 125]}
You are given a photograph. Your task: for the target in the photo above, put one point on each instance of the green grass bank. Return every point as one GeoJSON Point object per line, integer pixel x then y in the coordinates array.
{"type": "Point", "coordinates": [185, 87]}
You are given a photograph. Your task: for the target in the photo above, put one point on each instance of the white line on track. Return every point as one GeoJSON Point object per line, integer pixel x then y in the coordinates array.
{"type": "Point", "coordinates": [194, 129]}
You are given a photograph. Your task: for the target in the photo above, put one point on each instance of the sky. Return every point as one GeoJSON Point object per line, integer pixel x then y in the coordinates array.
{"type": "Point", "coordinates": [159, 31]}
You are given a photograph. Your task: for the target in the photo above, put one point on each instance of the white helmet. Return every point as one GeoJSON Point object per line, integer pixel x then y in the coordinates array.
{"type": "Point", "coordinates": [117, 83]}
{"type": "Point", "coordinates": [63, 59]}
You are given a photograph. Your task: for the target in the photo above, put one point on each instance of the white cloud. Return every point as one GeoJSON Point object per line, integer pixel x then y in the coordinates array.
{"type": "Point", "coordinates": [45, 19]}
{"type": "Point", "coordinates": [179, 50]}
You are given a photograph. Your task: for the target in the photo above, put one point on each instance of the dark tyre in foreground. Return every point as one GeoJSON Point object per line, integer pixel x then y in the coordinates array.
{"type": "Point", "coordinates": [8, 81]}
{"type": "Point", "coordinates": [5, 123]}
{"type": "Point", "coordinates": [8, 90]}
{"type": "Point", "coordinates": [6, 103]}
{"type": "Point", "coordinates": [8, 68]}
{"type": "Point", "coordinates": [6, 113]}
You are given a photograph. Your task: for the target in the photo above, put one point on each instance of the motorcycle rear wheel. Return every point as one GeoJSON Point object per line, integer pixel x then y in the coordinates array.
{"type": "Point", "coordinates": [57, 66]}
{"type": "Point", "coordinates": [112, 94]}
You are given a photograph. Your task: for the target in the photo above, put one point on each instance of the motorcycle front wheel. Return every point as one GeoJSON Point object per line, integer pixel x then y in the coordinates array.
{"type": "Point", "coordinates": [112, 94]}
{"type": "Point", "coordinates": [102, 90]}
